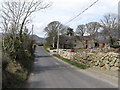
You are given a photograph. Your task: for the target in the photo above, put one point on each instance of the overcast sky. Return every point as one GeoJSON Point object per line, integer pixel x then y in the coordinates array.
{"type": "Point", "coordinates": [64, 10]}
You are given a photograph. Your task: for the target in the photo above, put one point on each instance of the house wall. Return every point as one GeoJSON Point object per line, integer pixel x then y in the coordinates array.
{"type": "Point", "coordinates": [119, 42]}
{"type": "Point", "coordinates": [91, 44]}
{"type": "Point", "coordinates": [76, 43]}
{"type": "Point", "coordinates": [80, 44]}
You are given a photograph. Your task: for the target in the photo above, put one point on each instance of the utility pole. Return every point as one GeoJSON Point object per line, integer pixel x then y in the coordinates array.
{"type": "Point", "coordinates": [53, 42]}
{"type": "Point", "coordinates": [58, 35]}
{"type": "Point", "coordinates": [58, 40]}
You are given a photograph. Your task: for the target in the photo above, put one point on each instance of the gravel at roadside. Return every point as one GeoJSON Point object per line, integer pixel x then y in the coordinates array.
{"type": "Point", "coordinates": [110, 76]}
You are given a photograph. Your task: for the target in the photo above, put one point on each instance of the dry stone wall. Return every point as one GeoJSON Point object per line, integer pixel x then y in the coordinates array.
{"type": "Point", "coordinates": [109, 60]}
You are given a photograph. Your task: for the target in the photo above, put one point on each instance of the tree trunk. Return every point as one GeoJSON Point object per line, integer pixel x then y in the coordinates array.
{"type": "Point", "coordinates": [53, 42]}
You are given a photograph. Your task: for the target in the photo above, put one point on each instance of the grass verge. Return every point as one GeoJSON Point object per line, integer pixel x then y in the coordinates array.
{"type": "Point", "coordinates": [72, 62]}
{"type": "Point", "coordinates": [46, 48]}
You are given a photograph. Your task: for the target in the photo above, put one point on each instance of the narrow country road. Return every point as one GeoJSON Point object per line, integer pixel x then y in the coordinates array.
{"type": "Point", "coordinates": [49, 72]}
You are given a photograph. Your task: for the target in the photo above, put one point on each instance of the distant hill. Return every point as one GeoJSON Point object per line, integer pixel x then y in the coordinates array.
{"type": "Point", "coordinates": [38, 39]}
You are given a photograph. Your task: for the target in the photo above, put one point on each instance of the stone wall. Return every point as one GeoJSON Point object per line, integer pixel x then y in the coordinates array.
{"type": "Point", "coordinates": [67, 54]}
{"type": "Point", "coordinates": [109, 60]}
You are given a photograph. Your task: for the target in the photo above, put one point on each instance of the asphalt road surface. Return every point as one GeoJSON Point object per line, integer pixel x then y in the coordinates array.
{"type": "Point", "coordinates": [49, 72]}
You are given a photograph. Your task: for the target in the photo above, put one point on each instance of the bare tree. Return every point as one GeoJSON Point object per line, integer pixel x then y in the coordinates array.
{"type": "Point", "coordinates": [110, 26]}
{"type": "Point", "coordinates": [53, 31]}
{"type": "Point", "coordinates": [92, 29]}
{"type": "Point", "coordinates": [15, 16]}
{"type": "Point", "coordinates": [66, 30]}
{"type": "Point", "coordinates": [80, 32]}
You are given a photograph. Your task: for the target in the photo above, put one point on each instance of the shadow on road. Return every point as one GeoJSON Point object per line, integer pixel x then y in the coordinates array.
{"type": "Point", "coordinates": [38, 69]}
{"type": "Point", "coordinates": [30, 84]}
{"type": "Point", "coordinates": [42, 56]}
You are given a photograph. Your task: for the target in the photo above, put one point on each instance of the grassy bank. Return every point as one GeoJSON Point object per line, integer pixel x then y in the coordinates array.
{"type": "Point", "coordinates": [72, 62]}
{"type": "Point", "coordinates": [15, 75]}
{"type": "Point", "coordinates": [16, 65]}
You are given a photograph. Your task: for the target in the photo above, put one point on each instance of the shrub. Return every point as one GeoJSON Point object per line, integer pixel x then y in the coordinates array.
{"type": "Point", "coordinates": [20, 56]}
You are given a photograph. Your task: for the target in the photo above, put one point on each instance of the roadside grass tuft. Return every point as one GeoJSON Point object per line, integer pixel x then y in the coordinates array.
{"type": "Point", "coordinates": [81, 66]}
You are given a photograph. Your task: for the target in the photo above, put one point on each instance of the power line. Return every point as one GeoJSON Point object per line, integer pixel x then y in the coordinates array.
{"type": "Point", "coordinates": [82, 12]}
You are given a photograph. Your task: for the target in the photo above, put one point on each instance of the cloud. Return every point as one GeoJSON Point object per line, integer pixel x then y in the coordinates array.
{"type": "Point", "coordinates": [64, 10]}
